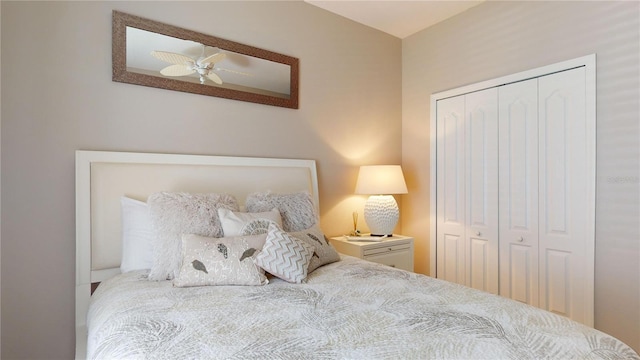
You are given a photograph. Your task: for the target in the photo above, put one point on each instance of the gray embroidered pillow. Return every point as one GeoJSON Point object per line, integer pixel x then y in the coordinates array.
{"type": "Point", "coordinates": [220, 261]}
{"type": "Point", "coordinates": [324, 253]}
{"type": "Point", "coordinates": [174, 214]}
{"type": "Point", "coordinates": [285, 256]}
{"type": "Point", "coordinates": [297, 209]}
{"type": "Point", "coordinates": [237, 223]}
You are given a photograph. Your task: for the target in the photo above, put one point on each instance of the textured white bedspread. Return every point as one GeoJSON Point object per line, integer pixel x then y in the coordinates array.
{"type": "Point", "coordinates": [351, 309]}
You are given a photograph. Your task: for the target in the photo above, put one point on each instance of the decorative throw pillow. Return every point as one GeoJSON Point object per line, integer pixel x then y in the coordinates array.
{"type": "Point", "coordinates": [239, 223]}
{"type": "Point", "coordinates": [174, 214]}
{"type": "Point", "coordinates": [137, 235]}
{"type": "Point", "coordinates": [297, 209]}
{"type": "Point", "coordinates": [325, 253]}
{"type": "Point", "coordinates": [285, 256]}
{"type": "Point", "coordinates": [220, 261]}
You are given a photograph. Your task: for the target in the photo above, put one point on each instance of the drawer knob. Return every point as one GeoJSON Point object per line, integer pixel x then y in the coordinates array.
{"type": "Point", "coordinates": [521, 239]}
{"type": "Point", "coordinates": [478, 233]}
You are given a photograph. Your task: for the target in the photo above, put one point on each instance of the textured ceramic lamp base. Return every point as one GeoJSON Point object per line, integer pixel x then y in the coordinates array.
{"type": "Point", "coordinates": [381, 214]}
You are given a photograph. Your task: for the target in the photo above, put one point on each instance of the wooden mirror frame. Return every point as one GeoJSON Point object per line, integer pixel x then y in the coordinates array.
{"type": "Point", "coordinates": [120, 73]}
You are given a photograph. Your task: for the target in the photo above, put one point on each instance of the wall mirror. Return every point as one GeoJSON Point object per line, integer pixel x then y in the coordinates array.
{"type": "Point", "coordinates": [150, 53]}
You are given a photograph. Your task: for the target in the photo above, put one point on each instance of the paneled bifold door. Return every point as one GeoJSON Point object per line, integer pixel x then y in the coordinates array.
{"type": "Point", "coordinates": [515, 191]}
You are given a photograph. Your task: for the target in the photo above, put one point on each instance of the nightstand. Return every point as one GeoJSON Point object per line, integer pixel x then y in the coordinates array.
{"type": "Point", "coordinates": [395, 251]}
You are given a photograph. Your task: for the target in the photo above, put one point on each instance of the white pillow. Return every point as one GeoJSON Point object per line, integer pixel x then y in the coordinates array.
{"type": "Point", "coordinates": [175, 214]}
{"type": "Point", "coordinates": [220, 261]}
{"type": "Point", "coordinates": [137, 235]}
{"type": "Point", "coordinates": [285, 256]}
{"type": "Point", "coordinates": [238, 223]}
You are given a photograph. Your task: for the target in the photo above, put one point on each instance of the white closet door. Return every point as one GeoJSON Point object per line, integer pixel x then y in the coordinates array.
{"type": "Point", "coordinates": [518, 154]}
{"type": "Point", "coordinates": [450, 190]}
{"type": "Point", "coordinates": [481, 185]}
{"type": "Point", "coordinates": [565, 269]}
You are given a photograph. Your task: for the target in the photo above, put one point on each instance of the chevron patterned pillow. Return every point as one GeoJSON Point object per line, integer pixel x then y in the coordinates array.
{"type": "Point", "coordinates": [285, 256]}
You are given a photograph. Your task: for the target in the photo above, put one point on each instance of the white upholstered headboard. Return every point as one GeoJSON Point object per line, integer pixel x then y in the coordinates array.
{"type": "Point", "coordinates": [102, 178]}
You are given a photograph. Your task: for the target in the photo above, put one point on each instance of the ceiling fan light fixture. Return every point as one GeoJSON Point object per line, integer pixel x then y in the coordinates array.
{"type": "Point", "coordinates": [184, 65]}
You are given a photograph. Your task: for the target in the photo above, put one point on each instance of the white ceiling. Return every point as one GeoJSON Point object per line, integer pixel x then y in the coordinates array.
{"type": "Point", "coordinates": [399, 18]}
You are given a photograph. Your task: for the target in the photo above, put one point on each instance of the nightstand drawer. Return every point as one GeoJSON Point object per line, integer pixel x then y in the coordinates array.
{"type": "Point", "coordinates": [399, 259]}
{"type": "Point", "coordinates": [386, 249]}
{"type": "Point", "coordinates": [396, 251]}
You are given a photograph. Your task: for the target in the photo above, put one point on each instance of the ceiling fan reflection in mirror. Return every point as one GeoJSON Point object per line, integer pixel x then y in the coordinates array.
{"type": "Point", "coordinates": [204, 66]}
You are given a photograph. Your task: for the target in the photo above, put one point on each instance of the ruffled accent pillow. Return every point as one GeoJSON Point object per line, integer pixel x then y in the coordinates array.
{"type": "Point", "coordinates": [238, 223]}
{"type": "Point", "coordinates": [297, 209]}
{"type": "Point", "coordinates": [285, 256]}
{"type": "Point", "coordinates": [220, 261]}
{"type": "Point", "coordinates": [324, 253]}
{"type": "Point", "coordinates": [175, 214]}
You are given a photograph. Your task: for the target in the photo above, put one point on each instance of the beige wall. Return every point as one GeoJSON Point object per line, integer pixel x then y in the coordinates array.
{"type": "Point", "coordinates": [501, 38]}
{"type": "Point", "coordinates": [57, 97]}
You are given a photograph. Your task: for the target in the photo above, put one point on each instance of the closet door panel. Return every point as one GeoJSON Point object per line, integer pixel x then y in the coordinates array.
{"type": "Point", "coordinates": [563, 189]}
{"type": "Point", "coordinates": [558, 285]}
{"type": "Point", "coordinates": [450, 194]}
{"type": "Point", "coordinates": [518, 196]}
{"type": "Point", "coordinates": [481, 185]}
{"type": "Point", "coordinates": [520, 276]}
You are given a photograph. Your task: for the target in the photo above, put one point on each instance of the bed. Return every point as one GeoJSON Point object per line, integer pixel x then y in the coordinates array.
{"type": "Point", "coordinates": [342, 308]}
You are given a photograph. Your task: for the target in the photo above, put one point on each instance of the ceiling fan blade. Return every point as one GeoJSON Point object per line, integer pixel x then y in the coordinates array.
{"type": "Point", "coordinates": [176, 70]}
{"type": "Point", "coordinates": [213, 58]}
{"type": "Point", "coordinates": [172, 58]}
{"type": "Point", "coordinates": [215, 78]}
{"type": "Point", "coordinates": [234, 72]}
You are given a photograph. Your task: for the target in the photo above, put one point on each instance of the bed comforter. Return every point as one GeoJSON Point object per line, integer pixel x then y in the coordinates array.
{"type": "Point", "coordinates": [351, 309]}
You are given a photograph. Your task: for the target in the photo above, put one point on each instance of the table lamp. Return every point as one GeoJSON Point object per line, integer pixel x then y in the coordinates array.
{"type": "Point", "coordinates": [381, 211]}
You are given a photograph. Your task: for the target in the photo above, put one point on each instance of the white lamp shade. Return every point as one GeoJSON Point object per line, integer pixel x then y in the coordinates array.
{"type": "Point", "coordinates": [381, 210]}
{"type": "Point", "coordinates": [381, 179]}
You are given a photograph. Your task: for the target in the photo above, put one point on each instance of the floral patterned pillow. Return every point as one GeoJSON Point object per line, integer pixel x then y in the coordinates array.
{"type": "Point", "coordinates": [220, 261]}
{"type": "Point", "coordinates": [238, 223]}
